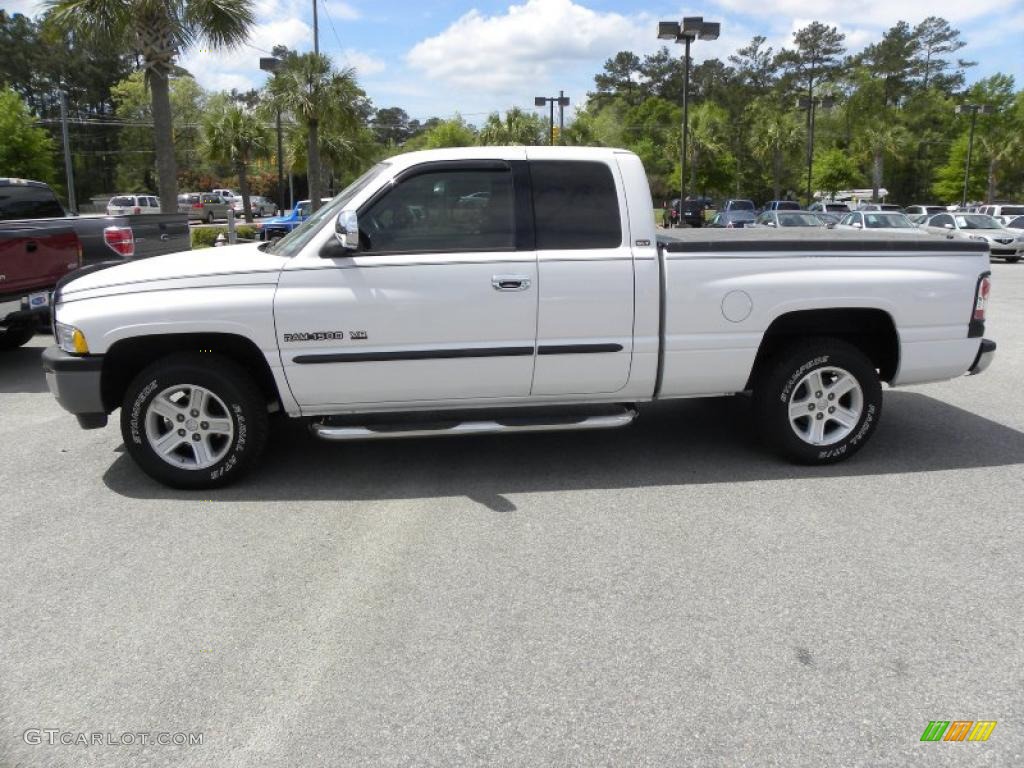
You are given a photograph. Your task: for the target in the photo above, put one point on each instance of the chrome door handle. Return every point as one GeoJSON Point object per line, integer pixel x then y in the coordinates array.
{"type": "Point", "coordinates": [510, 282]}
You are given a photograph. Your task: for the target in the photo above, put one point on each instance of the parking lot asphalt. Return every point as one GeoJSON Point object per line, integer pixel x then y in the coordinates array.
{"type": "Point", "coordinates": [665, 595]}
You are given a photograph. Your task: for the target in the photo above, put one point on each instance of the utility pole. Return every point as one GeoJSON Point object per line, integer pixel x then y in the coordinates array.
{"type": "Point", "coordinates": [68, 168]}
{"type": "Point", "coordinates": [974, 109]}
{"type": "Point", "coordinates": [316, 30]}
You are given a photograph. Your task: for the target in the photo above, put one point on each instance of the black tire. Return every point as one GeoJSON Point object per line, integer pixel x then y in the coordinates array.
{"type": "Point", "coordinates": [15, 337]}
{"type": "Point", "coordinates": [245, 405]}
{"type": "Point", "coordinates": [1012, 259]}
{"type": "Point", "coordinates": [780, 380]}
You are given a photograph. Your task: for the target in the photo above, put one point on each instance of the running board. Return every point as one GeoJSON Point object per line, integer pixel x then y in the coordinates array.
{"type": "Point", "coordinates": [622, 418]}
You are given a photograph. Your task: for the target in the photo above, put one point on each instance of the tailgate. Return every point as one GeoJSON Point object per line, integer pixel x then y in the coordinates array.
{"type": "Point", "coordinates": [160, 233]}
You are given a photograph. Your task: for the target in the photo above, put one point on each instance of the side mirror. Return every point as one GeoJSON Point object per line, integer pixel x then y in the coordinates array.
{"type": "Point", "coordinates": [346, 237]}
{"type": "Point", "coordinates": [947, 225]}
{"type": "Point", "coordinates": [858, 225]}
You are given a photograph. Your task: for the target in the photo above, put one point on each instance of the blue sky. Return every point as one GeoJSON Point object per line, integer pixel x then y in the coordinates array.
{"type": "Point", "coordinates": [439, 57]}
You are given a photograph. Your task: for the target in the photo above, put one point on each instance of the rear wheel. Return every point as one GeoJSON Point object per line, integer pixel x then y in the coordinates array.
{"type": "Point", "coordinates": [16, 336]}
{"type": "Point", "coordinates": [818, 402]}
{"type": "Point", "coordinates": [194, 421]}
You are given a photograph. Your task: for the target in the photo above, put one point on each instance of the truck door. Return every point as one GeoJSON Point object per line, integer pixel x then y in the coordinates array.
{"type": "Point", "coordinates": [439, 304]}
{"type": "Point", "coordinates": [585, 270]}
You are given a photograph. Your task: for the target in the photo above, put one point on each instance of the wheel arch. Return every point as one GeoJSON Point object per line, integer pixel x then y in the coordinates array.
{"type": "Point", "coordinates": [126, 358]}
{"type": "Point", "coordinates": [871, 330]}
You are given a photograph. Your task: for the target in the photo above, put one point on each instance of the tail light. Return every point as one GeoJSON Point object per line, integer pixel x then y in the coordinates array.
{"type": "Point", "coordinates": [197, 205]}
{"type": "Point", "coordinates": [984, 286]}
{"type": "Point", "coordinates": [121, 240]}
{"type": "Point", "coordinates": [137, 210]}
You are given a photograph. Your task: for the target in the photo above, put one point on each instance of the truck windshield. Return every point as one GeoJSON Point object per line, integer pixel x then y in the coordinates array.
{"type": "Point", "coordinates": [292, 243]}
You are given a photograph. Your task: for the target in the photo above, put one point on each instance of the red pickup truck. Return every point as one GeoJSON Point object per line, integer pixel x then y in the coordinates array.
{"type": "Point", "coordinates": [32, 260]}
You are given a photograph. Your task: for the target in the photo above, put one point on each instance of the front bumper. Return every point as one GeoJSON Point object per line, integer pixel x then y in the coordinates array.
{"type": "Point", "coordinates": [986, 354]}
{"type": "Point", "coordinates": [74, 380]}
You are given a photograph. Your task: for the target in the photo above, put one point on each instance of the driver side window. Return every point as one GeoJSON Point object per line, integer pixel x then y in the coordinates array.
{"type": "Point", "coordinates": [443, 211]}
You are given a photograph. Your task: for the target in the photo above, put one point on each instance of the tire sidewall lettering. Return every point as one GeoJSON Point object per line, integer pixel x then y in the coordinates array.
{"type": "Point", "coordinates": [800, 372]}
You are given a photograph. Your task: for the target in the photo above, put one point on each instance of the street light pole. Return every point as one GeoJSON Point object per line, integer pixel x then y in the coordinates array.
{"type": "Point", "coordinates": [974, 109]}
{"type": "Point", "coordinates": [272, 64]}
{"type": "Point", "coordinates": [691, 28]}
{"type": "Point", "coordinates": [562, 101]}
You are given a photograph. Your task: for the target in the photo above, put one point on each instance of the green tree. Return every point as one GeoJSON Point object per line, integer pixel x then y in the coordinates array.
{"type": "Point", "coordinates": [234, 135]}
{"type": "Point", "coordinates": [158, 31]}
{"type": "Point", "coordinates": [935, 39]}
{"type": "Point", "coordinates": [135, 164]}
{"type": "Point", "coordinates": [620, 77]}
{"type": "Point", "coordinates": [880, 141]}
{"type": "Point", "coordinates": [317, 95]}
{"type": "Point", "coordinates": [709, 124]}
{"type": "Point", "coordinates": [517, 128]}
{"type": "Point", "coordinates": [835, 170]}
{"type": "Point", "coordinates": [756, 65]}
{"type": "Point", "coordinates": [455, 132]}
{"type": "Point", "coordinates": [26, 151]}
{"type": "Point", "coordinates": [777, 139]}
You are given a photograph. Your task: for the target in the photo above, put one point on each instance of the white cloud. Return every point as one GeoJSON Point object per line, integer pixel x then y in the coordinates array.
{"type": "Point", "coordinates": [339, 10]}
{"type": "Point", "coordinates": [527, 44]}
{"type": "Point", "coordinates": [364, 63]}
{"type": "Point", "coordinates": [28, 8]}
{"type": "Point", "coordinates": [874, 14]}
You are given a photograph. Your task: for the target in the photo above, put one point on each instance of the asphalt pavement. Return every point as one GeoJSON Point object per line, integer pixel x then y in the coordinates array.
{"type": "Point", "coordinates": [664, 595]}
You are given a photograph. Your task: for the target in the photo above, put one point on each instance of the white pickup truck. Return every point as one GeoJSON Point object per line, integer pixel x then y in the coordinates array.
{"type": "Point", "coordinates": [515, 289]}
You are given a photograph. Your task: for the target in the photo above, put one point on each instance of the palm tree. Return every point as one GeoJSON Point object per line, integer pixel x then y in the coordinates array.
{"type": "Point", "coordinates": [518, 127]}
{"type": "Point", "coordinates": [233, 135]}
{"type": "Point", "coordinates": [317, 95]}
{"type": "Point", "coordinates": [879, 141]}
{"type": "Point", "coordinates": [777, 135]}
{"type": "Point", "coordinates": [708, 123]}
{"type": "Point", "coordinates": [998, 148]}
{"type": "Point", "coordinates": [157, 31]}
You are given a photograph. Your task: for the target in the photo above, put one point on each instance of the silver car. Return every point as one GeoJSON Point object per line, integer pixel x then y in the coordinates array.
{"type": "Point", "coordinates": [779, 219]}
{"type": "Point", "coordinates": [260, 206]}
{"type": "Point", "coordinates": [203, 206]}
{"type": "Point", "coordinates": [1003, 243]}
{"type": "Point", "coordinates": [891, 221]}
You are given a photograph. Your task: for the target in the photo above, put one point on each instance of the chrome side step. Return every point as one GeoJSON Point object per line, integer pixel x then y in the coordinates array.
{"type": "Point", "coordinates": [471, 427]}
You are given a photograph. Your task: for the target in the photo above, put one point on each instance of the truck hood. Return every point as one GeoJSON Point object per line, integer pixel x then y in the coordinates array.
{"type": "Point", "coordinates": [226, 265]}
{"type": "Point", "coordinates": [276, 220]}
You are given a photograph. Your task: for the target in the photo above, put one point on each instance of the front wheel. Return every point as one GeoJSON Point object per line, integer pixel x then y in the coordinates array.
{"type": "Point", "coordinates": [194, 421]}
{"type": "Point", "coordinates": [818, 402]}
{"type": "Point", "coordinates": [1012, 259]}
{"type": "Point", "coordinates": [16, 336]}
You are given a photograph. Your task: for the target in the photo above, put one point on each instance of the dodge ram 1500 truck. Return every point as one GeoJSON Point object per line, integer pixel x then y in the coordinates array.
{"type": "Point", "coordinates": [514, 289]}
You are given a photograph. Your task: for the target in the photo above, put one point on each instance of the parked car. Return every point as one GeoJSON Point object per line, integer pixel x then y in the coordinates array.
{"type": "Point", "coordinates": [279, 226]}
{"type": "Point", "coordinates": [227, 194]}
{"type": "Point", "coordinates": [370, 324]}
{"type": "Point", "coordinates": [829, 207]}
{"type": "Point", "coordinates": [1016, 224]}
{"type": "Point", "coordinates": [787, 219]}
{"type": "Point", "coordinates": [33, 257]}
{"type": "Point", "coordinates": [923, 210]}
{"type": "Point", "coordinates": [781, 205]}
{"type": "Point", "coordinates": [734, 219]}
{"type": "Point", "coordinates": [739, 205]}
{"type": "Point", "coordinates": [1002, 212]}
{"type": "Point", "coordinates": [828, 219]}
{"type": "Point", "coordinates": [890, 221]}
{"type": "Point", "coordinates": [1003, 243]}
{"type": "Point", "coordinates": [878, 207]}
{"type": "Point", "coordinates": [120, 205]}
{"type": "Point", "coordinates": [260, 206]}
{"type": "Point", "coordinates": [203, 206]}
{"type": "Point", "coordinates": [103, 238]}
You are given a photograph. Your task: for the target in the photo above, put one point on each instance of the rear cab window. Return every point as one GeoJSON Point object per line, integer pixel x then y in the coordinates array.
{"type": "Point", "coordinates": [28, 201]}
{"type": "Point", "coordinates": [575, 205]}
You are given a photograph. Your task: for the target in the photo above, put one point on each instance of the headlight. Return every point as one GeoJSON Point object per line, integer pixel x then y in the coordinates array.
{"type": "Point", "coordinates": [979, 237]}
{"type": "Point", "coordinates": [71, 339]}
